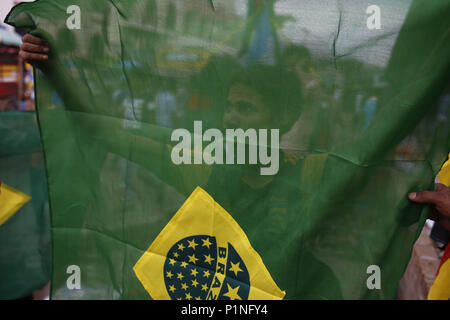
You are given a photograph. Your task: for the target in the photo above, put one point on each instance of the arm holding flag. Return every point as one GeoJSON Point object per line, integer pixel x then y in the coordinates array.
{"type": "Point", "coordinates": [439, 212]}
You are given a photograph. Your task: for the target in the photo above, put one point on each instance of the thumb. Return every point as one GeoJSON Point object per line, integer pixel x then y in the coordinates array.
{"type": "Point", "coordinates": [425, 197]}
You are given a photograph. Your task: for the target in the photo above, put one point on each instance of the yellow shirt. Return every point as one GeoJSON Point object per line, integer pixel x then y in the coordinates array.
{"type": "Point", "coordinates": [440, 290]}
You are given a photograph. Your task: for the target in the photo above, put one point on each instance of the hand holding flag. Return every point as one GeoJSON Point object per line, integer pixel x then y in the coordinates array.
{"type": "Point", "coordinates": [34, 49]}
{"type": "Point", "coordinates": [440, 198]}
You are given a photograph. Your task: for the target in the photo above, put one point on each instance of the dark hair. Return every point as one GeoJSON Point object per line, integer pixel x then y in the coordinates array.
{"type": "Point", "coordinates": [212, 79]}
{"type": "Point", "coordinates": [280, 90]}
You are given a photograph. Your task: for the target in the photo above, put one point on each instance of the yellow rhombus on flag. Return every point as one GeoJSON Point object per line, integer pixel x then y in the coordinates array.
{"type": "Point", "coordinates": [203, 254]}
{"type": "Point", "coordinates": [11, 200]}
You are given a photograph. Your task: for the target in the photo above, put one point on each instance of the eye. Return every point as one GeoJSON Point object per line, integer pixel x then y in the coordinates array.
{"type": "Point", "coordinates": [228, 106]}
{"type": "Point", "coordinates": [245, 107]}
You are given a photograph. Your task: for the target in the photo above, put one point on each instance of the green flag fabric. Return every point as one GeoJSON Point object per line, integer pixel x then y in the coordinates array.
{"type": "Point", "coordinates": [218, 149]}
{"type": "Point", "coordinates": [25, 239]}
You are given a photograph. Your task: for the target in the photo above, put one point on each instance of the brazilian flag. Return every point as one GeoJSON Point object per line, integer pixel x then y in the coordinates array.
{"type": "Point", "coordinates": [25, 239]}
{"type": "Point", "coordinates": [217, 149]}
{"type": "Point", "coordinates": [207, 272]}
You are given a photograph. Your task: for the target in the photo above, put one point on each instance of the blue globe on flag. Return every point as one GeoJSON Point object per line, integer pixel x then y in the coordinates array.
{"type": "Point", "coordinates": [196, 268]}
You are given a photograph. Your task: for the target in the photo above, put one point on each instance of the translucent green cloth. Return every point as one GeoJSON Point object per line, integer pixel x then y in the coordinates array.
{"type": "Point", "coordinates": [361, 113]}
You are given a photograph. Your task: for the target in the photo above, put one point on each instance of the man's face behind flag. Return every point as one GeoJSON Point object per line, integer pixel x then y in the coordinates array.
{"type": "Point", "coordinates": [306, 122]}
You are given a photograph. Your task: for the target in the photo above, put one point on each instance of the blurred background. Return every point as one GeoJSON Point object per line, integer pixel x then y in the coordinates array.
{"type": "Point", "coordinates": [16, 77]}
